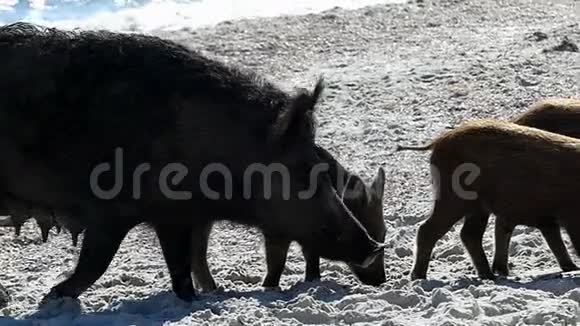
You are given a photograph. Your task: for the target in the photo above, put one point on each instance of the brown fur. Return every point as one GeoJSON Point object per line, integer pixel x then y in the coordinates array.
{"type": "Point", "coordinates": [559, 115]}
{"type": "Point", "coordinates": [562, 116]}
{"type": "Point", "coordinates": [527, 176]}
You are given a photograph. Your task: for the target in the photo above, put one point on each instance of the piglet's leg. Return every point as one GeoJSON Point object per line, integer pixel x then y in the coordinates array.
{"type": "Point", "coordinates": [472, 237]}
{"type": "Point", "coordinates": [276, 252]}
{"type": "Point", "coordinates": [554, 240]}
{"type": "Point", "coordinates": [503, 234]}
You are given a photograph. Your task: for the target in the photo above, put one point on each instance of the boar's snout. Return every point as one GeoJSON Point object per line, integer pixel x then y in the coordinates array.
{"type": "Point", "coordinates": [373, 274]}
{"type": "Point", "coordinates": [379, 249]}
{"type": "Point", "coordinates": [344, 238]}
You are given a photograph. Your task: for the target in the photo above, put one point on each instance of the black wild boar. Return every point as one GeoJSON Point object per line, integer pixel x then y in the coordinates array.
{"type": "Point", "coordinates": [366, 204]}
{"type": "Point", "coordinates": [111, 130]}
{"type": "Point", "coordinates": [558, 115]}
{"type": "Point", "coordinates": [522, 175]}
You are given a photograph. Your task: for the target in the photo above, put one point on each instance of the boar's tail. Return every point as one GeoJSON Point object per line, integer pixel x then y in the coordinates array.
{"type": "Point", "coordinates": [414, 148]}
{"type": "Point", "coordinates": [299, 110]}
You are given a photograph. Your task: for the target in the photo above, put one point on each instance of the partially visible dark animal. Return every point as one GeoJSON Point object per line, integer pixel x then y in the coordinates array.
{"type": "Point", "coordinates": [558, 115]}
{"type": "Point", "coordinates": [19, 212]}
{"type": "Point", "coordinates": [522, 175]}
{"type": "Point", "coordinates": [366, 204]}
{"type": "Point", "coordinates": [111, 130]}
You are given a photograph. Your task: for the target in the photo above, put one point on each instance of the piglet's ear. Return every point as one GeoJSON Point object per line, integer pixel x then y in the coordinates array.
{"type": "Point", "coordinates": [378, 185]}
{"type": "Point", "coordinates": [356, 189]}
{"type": "Point", "coordinates": [299, 108]}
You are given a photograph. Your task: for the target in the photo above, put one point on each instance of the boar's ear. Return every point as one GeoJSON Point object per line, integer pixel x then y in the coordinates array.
{"type": "Point", "coordinates": [378, 185]}
{"type": "Point", "coordinates": [335, 170]}
{"type": "Point", "coordinates": [301, 106]}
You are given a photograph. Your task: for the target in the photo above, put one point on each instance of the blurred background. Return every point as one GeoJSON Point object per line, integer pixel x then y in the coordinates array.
{"type": "Point", "coordinates": [146, 15]}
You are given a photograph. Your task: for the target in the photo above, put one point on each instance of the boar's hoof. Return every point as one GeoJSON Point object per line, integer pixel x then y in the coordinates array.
{"type": "Point", "coordinates": [276, 288]}
{"type": "Point", "coordinates": [501, 270]}
{"type": "Point", "coordinates": [373, 281]}
{"type": "Point", "coordinates": [418, 276]}
{"type": "Point", "coordinates": [487, 276]}
{"type": "Point", "coordinates": [270, 283]}
{"type": "Point", "coordinates": [209, 288]}
{"type": "Point", "coordinates": [185, 293]}
{"type": "Point", "coordinates": [312, 278]}
{"type": "Point", "coordinates": [54, 295]}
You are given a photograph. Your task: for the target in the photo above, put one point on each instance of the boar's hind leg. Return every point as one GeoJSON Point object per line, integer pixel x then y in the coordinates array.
{"type": "Point", "coordinates": [443, 217]}
{"type": "Point", "coordinates": [472, 237]}
{"type": "Point", "coordinates": [199, 266]}
{"type": "Point", "coordinates": [553, 237]}
{"type": "Point", "coordinates": [503, 234]}
{"type": "Point", "coordinates": [100, 244]}
{"type": "Point", "coordinates": [276, 252]}
{"type": "Point", "coordinates": [312, 266]}
{"type": "Point", "coordinates": [175, 243]}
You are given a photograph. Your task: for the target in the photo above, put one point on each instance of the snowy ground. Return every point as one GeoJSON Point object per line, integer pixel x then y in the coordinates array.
{"type": "Point", "coordinates": [396, 73]}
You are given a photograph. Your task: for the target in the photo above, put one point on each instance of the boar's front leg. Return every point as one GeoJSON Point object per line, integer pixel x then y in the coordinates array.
{"type": "Point", "coordinates": [199, 266]}
{"type": "Point", "coordinates": [312, 266]}
{"type": "Point", "coordinates": [553, 236]}
{"type": "Point", "coordinates": [276, 252]}
{"type": "Point", "coordinates": [175, 243]}
{"type": "Point", "coordinates": [100, 244]}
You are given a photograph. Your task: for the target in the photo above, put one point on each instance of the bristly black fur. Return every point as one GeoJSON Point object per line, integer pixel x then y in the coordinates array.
{"type": "Point", "coordinates": [71, 101]}
{"type": "Point", "coordinates": [146, 70]}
